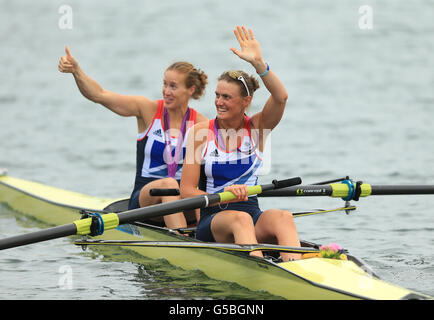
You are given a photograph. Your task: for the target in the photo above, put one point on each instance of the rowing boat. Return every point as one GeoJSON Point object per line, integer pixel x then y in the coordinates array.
{"type": "Point", "coordinates": [312, 277]}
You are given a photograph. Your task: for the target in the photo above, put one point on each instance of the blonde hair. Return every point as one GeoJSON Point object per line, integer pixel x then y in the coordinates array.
{"type": "Point", "coordinates": [194, 77]}
{"type": "Point", "coordinates": [232, 76]}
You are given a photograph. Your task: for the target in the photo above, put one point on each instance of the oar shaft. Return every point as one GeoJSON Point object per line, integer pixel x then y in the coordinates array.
{"type": "Point", "coordinates": [111, 221]}
{"type": "Point", "coordinates": [38, 236]}
{"type": "Point", "coordinates": [169, 208]}
{"type": "Point", "coordinates": [341, 190]}
{"type": "Point", "coordinates": [401, 189]}
{"type": "Point", "coordinates": [275, 185]}
{"type": "Point", "coordinates": [300, 191]}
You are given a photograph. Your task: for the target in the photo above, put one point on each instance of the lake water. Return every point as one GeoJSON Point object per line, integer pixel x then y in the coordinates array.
{"type": "Point", "coordinates": [361, 103]}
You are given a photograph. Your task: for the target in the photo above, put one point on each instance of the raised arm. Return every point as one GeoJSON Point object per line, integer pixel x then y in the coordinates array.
{"type": "Point", "coordinates": [250, 51]}
{"type": "Point", "coordinates": [123, 105]}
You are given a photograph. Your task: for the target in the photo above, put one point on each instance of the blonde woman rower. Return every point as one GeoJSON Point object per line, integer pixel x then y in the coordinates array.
{"type": "Point", "coordinates": [162, 125]}
{"type": "Point", "coordinates": [228, 157]}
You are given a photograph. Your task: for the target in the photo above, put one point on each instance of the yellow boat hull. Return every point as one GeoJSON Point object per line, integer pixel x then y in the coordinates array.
{"type": "Point", "coordinates": [313, 278]}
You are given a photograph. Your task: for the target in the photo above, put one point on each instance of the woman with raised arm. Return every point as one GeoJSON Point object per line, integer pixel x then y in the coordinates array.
{"type": "Point", "coordinates": [227, 157]}
{"type": "Point", "coordinates": [162, 125]}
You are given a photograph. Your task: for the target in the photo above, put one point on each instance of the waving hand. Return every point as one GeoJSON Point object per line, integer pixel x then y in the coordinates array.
{"type": "Point", "coordinates": [250, 49]}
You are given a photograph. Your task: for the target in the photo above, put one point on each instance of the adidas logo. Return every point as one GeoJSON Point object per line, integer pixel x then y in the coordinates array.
{"type": "Point", "coordinates": [215, 153]}
{"type": "Point", "coordinates": [158, 133]}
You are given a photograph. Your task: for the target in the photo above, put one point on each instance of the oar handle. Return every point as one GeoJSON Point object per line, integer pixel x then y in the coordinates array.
{"type": "Point", "coordinates": [164, 192]}
{"type": "Point", "coordinates": [279, 184]}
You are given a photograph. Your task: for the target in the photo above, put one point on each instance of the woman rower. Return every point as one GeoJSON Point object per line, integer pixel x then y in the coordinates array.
{"type": "Point", "coordinates": [228, 157]}
{"type": "Point", "coordinates": [162, 125]}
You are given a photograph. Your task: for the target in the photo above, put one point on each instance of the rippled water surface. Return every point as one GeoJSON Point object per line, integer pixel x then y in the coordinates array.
{"type": "Point", "coordinates": [361, 103]}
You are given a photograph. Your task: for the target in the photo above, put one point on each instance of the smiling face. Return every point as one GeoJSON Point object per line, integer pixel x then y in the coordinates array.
{"type": "Point", "coordinates": [229, 103]}
{"type": "Point", "coordinates": [175, 93]}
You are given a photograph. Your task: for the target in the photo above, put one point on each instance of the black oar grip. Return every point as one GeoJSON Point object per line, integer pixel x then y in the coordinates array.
{"type": "Point", "coordinates": [164, 192]}
{"type": "Point", "coordinates": [279, 184]}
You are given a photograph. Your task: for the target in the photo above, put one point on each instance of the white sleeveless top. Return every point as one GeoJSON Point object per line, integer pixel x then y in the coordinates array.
{"type": "Point", "coordinates": [222, 169]}
{"type": "Point", "coordinates": [151, 162]}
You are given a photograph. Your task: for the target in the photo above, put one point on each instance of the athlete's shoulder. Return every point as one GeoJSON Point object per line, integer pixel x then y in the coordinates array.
{"type": "Point", "coordinates": [149, 108]}
{"type": "Point", "coordinates": [200, 117]}
{"type": "Point", "coordinates": [199, 132]}
{"type": "Point", "coordinates": [201, 124]}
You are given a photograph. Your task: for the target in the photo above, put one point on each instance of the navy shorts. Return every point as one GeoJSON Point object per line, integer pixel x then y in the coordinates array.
{"type": "Point", "coordinates": [203, 231]}
{"type": "Point", "coordinates": [134, 200]}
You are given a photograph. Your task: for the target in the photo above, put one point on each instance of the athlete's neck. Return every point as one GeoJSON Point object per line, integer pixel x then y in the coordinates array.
{"type": "Point", "coordinates": [176, 115]}
{"type": "Point", "coordinates": [235, 124]}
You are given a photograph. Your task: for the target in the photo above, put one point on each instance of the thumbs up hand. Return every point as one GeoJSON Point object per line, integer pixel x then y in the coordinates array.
{"type": "Point", "coordinates": [68, 64]}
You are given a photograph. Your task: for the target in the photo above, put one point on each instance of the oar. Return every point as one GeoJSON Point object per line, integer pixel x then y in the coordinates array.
{"type": "Point", "coordinates": [198, 245]}
{"type": "Point", "coordinates": [97, 224]}
{"type": "Point", "coordinates": [164, 192]}
{"type": "Point", "coordinates": [175, 191]}
{"type": "Point", "coordinates": [349, 190]}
